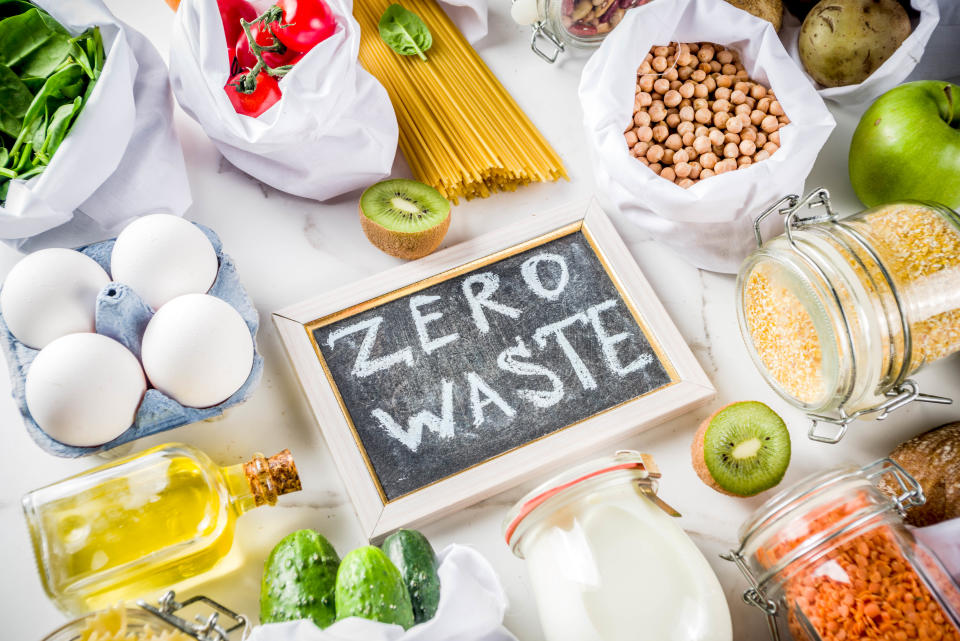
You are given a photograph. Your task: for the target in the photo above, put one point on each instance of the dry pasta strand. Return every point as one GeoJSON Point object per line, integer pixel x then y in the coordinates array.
{"type": "Point", "coordinates": [460, 130]}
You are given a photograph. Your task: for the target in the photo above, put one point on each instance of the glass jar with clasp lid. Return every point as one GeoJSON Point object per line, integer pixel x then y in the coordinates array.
{"type": "Point", "coordinates": [558, 24]}
{"type": "Point", "coordinates": [839, 313]}
{"type": "Point", "coordinates": [162, 621]}
{"type": "Point", "coordinates": [832, 558]}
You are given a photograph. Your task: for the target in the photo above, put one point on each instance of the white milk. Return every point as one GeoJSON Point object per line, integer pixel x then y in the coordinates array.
{"type": "Point", "coordinates": [614, 567]}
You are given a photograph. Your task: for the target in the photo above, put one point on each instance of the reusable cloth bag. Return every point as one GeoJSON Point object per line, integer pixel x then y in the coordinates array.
{"type": "Point", "coordinates": [121, 158]}
{"type": "Point", "coordinates": [333, 131]}
{"type": "Point", "coordinates": [472, 604]}
{"type": "Point", "coordinates": [894, 69]}
{"type": "Point", "coordinates": [711, 223]}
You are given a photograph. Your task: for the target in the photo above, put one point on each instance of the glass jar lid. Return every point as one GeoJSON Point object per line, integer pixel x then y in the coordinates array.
{"type": "Point", "coordinates": [625, 465]}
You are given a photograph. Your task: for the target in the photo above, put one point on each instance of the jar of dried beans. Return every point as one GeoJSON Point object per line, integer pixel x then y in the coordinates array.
{"type": "Point", "coordinates": [581, 24]}
{"type": "Point", "coordinates": [838, 313]}
{"type": "Point", "coordinates": [832, 559]}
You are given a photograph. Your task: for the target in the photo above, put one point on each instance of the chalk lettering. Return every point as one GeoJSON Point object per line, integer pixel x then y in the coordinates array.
{"type": "Point", "coordinates": [556, 329]}
{"type": "Point", "coordinates": [507, 360]}
{"type": "Point", "coordinates": [442, 425]}
{"type": "Point", "coordinates": [608, 343]}
{"type": "Point", "coordinates": [478, 385]}
{"type": "Point", "coordinates": [420, 321]}
{"type": "Point", "coordinates": [532, 277]}
{"type": "Point", "coordinates": [364, 366]}
{"type": "Point", "coordinates": [489, 282]}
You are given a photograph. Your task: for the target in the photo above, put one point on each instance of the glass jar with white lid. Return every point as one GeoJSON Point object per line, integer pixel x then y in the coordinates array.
{"type": "Point", "coordinates": [838, 313]}
{"type": "Point", "coordinates": [608, 561]}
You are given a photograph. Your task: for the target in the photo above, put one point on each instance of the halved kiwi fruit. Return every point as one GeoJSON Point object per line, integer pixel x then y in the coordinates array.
{"type": "Point", "coordinates": [742, 449]}
{"type": "Point", "coordinates": [404, 218]}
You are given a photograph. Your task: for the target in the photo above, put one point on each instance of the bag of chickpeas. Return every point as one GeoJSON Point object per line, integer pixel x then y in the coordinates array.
{"type": "Point", "coordinates": [698, 119]}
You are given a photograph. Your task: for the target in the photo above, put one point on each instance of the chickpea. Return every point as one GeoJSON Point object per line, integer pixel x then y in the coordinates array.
{"type": "Point", "coordinates": [687, 139]}
{"type": "Point", "coordinates": [701, 103]}
{"type": "Point", "coordinates": [761, 155]}
{"type": "Point", "coordinates": [644, 67]}
{"type": "Point", "coordinates": [686, 114]}
{"type": "Point", "coordinates": [642, 119]}
{"type": "Point", "coordinates": [722, 93]}
{"type": "Point", "coordinates": [729, 137]}
{"type": "Point", "coordinates": [758, 91]}
{"type": "Point", "coordinates": [680, 156]}
{"type": "Point", "coordinates": [769, 124]}
{"type": "Point", "coordinates": [742, 109]}
{"type": "Point", "coordinates": [657, 111]}
{"type": "Point", "coordinates": [706, 173]}
{"type": "Point", "coordinates": [749, 133]}
{"type": "Point", "coordinates": [734, 125]}
{"type": "Point", "coordinates": [698, 76]}
{"type": "Point", "coordinates": [661, 85]}
{"type": "Point", "coordinates": [761, 139]}
{"type": "Point", "coordinates": [643, 99]}
{"type": "Point", "coordinates": [783, 120]}
{"type": "Point", "coordinates": [702, 145]}
{"type": "Point", "coordinates": [731, 150]}
{"type": "Point", "coordinates": [764, 104]}
{"type": "Point", "coordinates": [631, 138]}
{"type": "Point", "coordinates": [775, 137]}
{"type": "Point", "coordinates": [776, 109]}
{"type": "Point", "coordinates": [756, 117]}
{"type": "Point", "coordinates": [684, 73]}
{"type": "Point", "coordinates": [686, 102]}
{"type": "Point", "coordinates": [672, 120]}
{"type": "Point", "coordinates": [707, 161]}
{"type": "Point", "coordinates": [655, 167]}
{"type": "Point", "coordinates": [721, 106]}
{"type": "Point", "coordinates": [685, 127]}
{"type": "Point", "coordinates": [668, 174]}
{"type": "Point", "coordinates": [640, 150]}
{"type": "Point", "coordinates": [771, 147]}
{"type": "Point", "coordinates": [674, 142]}
{"type": "Point", "coordinates": [671, 74]}
{"type": "Point", "coordinates": [655, 153]}
{"type": "Point", "coordinates": [644, 133]}
{"type": "Point", "coordinates": [748, 147]}
{"type": "Point", "coordinates": [725, 57]}
{"type": "Point", "coordinates": [720, 119]}
{"type": "Point", "coordinates": [644, 160]}
{"type": "Point", "coordinates": [710, 83]}
{"type": "Point", "coordinates": [667, 157]}
{"type": "Point", "coordinates": [743, 75]}
{"type": "Point", "coordinates": [661, 51]}
{"type": "Point", "coordinates": [695, 169]}
{"type": "Point", "coordinates": [716, 137]}
{"type": "Point", "coordinates": [705, 54]}
{"type": "Point", "coordinates": [660, 132]}
{"type": "Point", "coordinates": [751, 102]}
{"type": "Point", "coordinates": [715, 66]}
{"type": "Point", "coordinates": [672, 98]}
{"type": "Point", "coordinates": [682, 169]}
{"type": "Point", "coordinates": [743, 161]}
{"type": "Point", "coordinates": [703, 115]}
{"type": "Point", "coordinates": [684, 59]}
{"type": "Point", "coordinates": [705, 67]}
{"type": "Point", "coordinates": [701, 130]}
{"type": "Point", "coordinates": [725, 165]}
{"type": "Point", "coordinates": [687, 89]}
{"type": "Point", "coordinates": [738, 97]}
{"type": "Point", "coordinates": [686, 183]}
{"type": "Point", "coordinates": [659, 64]}
{"type": "Point", "coordinates": [728, 70]}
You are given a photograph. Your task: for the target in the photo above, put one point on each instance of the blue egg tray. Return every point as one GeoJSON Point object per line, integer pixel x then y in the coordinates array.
{"type": "Point", "coordinates": [123, 316]}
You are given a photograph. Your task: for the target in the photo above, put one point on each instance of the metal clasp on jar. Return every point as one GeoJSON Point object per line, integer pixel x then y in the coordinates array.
{"type": "Point", "coordinates": [791, 207]}
{"type": "Point", "coordinates": [208, 629]}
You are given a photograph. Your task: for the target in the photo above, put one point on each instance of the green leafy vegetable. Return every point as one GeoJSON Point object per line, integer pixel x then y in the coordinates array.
{"type": "Point", "coordinates": [46, 76]}
{"type": "Point", "coordinates": [405, 32]}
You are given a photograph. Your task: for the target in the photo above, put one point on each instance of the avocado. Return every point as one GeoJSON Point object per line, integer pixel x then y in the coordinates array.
{"type": "Point", "coordinates": [413, 555]}
{"type": "Point", "coordinates": [299, 580]}
{"type": "Point", "coordinates": [370, 586]}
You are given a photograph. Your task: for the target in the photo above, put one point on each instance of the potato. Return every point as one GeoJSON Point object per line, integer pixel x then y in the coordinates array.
{"type": "Point", "coordinates": [844, 41]}
{"type": "Point", "coordinates": [769, 10]}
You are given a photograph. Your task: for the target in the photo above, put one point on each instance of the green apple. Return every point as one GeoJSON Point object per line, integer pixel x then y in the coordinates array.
{"type": "Point", "coordinates": [907, 146]}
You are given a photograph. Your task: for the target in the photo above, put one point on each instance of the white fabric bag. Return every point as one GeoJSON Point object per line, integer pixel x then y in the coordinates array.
{"type": "Point", "coordinates": [121, 158]}
{"type": "Point", "coordinates": [711, 223]}
{"type": "Point", "coordinates": [894, 69]}
{"type": "Point", "coordinates": [472, 605]}
{"type": "Point", "coordinates": [333, 131]}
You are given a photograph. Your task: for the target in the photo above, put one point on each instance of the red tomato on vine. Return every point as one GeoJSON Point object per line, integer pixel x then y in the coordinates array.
{"type": "Point", "coordinates": [305, 23]}
{"type": "Point", "coordinates": [252, 97]}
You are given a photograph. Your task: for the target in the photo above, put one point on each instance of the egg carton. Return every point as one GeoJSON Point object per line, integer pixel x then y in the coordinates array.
{"type": "Point", "coordinates": [123, 316]}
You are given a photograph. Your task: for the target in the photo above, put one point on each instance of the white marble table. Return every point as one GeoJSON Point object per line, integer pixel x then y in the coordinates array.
{"type": "Point", "coordinates": [287, 249]}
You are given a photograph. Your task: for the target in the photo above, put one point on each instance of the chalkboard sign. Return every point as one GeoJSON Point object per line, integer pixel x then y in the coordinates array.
{"type": "Point", "coordinates": [485, 352]}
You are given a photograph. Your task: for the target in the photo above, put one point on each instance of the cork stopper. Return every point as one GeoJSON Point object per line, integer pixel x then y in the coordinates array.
{"type": "Point", "coordinates": [271, 477]}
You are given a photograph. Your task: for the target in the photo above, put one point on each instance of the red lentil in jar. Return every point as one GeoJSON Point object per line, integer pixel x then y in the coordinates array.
{"type": "Point", "coordinates": [835, 556]}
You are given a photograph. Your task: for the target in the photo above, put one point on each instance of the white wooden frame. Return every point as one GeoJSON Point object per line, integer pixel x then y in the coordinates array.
{"type": "Point", "coordinates": [689, 388]}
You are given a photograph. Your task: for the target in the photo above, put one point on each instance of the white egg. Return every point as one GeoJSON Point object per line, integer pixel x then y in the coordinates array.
{"type": "Point", "coordinates": [84, 389]}
{"type": "Point", "coordinates": [51, 293]}
{"type": "Point", "coordinates": [161, 257]}
{"type": "Point", "coordinates": [197, 350]}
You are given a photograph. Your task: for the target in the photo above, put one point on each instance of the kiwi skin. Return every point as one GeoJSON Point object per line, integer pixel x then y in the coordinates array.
{"type": "Point", "coordinates": [699, 460]}
{"type": "Point", "coordinates": [409, 246]}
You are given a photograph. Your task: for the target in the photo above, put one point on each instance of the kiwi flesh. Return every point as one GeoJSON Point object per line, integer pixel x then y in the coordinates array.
{"type": "Point", "coordinates": [404, 218]}
{"type": "Point", "coordinates": [742, 449]}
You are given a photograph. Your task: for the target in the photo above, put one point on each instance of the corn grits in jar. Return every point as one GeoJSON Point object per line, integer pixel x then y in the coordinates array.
{"type": "Point", "coordinates": [608, 561]}
{"type": "Point", "coordinates": [833, 556]}
{"type": "Point", "coordinates": [839, 313]}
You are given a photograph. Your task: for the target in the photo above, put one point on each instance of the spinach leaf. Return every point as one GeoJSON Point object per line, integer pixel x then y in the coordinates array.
{"type": "Point", "coordinates": [16, 100]}
{"type": "Point", "coordinates": [21, 35]}
{"type": "Point", "coordinates": [58, 127]}
{"type": "Point", "coordinates": [66, 77]}
{"type": "Point", "coordinates": [45, 59]}
{"type": "Point", "coordinates": [4, 156]}
{"type": "Point", "coordinates": [13, 8]}
{"type": "Point", "coordinates": [405, 32]}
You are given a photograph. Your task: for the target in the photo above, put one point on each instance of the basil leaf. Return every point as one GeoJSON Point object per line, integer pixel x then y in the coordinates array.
{"type": "Point", "coordinates": [405, 32]}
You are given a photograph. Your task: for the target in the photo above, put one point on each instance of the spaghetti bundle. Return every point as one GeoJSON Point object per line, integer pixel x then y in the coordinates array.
{"type": "Point", "coordinates": [460, 130]}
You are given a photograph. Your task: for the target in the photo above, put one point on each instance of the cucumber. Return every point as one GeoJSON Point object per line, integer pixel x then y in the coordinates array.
{"type": "Point", "coordinates": [371, 587]}
{"type": "Point", "coordinates": [299, 580]}
{"type": "Point", "coordinates": [413, 555]}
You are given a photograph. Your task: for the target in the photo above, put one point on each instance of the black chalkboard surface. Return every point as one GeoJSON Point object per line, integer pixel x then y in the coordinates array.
{"type": "Point", "coordinates": [438, 379]}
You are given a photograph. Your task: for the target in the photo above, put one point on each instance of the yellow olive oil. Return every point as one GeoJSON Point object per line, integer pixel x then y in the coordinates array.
{"type": "Point", "coordinates": [142, 524]}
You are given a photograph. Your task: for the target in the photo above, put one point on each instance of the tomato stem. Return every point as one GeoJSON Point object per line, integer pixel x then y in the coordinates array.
{"type": "Point", "coordinates": [267, 18]}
